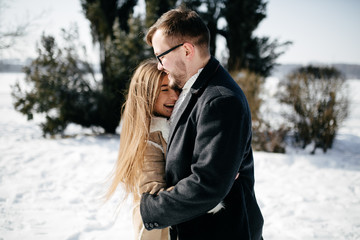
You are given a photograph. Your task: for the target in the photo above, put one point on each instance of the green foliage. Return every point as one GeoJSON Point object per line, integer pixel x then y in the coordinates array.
{"type": "Point", "coordinates": [58, 86]}
{"type": "Point", "coordinates": [319, 101]}
{"type": "Point", "coordinates": [103, 14]}
{"type": "Point", "coordinates": [211, 12]}
{"type": "Point", "coordinates": [123, 54]}
{"type": "Point", "coordinates": [242, 17]}
{"type": "Point", "coordinates": [256, 55]}
{"type": "Point", "coordinates": [155, 8]}
{"type": "Point", "coordinates": [264, 137]}
{"type": "Point", "coordinates": [62, 87]}
{"type": "Point", "coordinates": [121, 48]}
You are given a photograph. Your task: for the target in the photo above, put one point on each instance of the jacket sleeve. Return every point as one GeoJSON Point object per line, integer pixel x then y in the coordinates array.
{"type": "Point", "coordinates": [152, 176]}
{"type": "Point", "coordinates": [223, 136]}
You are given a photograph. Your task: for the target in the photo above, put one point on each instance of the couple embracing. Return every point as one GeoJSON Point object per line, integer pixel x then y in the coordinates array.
{"type": "Point", "coordinates": [185, 147]}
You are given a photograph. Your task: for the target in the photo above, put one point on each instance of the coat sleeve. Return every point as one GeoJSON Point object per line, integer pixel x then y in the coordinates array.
{"type": "Point", "coordinates": [223, 133]}
{"type": "Point", "coordinates": [152, 176]}
{"type": "Point", "coordinates": [151, 180]}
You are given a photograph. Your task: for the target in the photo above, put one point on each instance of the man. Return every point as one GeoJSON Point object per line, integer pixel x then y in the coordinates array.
{"type": "Point", "coordinates": [209, 141]}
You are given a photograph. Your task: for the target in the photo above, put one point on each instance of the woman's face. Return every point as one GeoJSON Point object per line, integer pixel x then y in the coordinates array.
{"type": "Point", "coordinates": [165, 102]}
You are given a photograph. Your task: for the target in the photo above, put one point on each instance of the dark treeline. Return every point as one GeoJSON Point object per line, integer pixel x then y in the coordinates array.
{"type": "Point", "coordinates": [350, 71]}
{"type": "Point", "coordinates": [120, 36]}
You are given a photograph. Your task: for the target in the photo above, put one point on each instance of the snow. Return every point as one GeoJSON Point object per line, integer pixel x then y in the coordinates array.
{"type": "Point", "coordinates": [52, 188]}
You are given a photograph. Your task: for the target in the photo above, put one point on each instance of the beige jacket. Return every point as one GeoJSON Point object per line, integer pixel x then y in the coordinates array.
{"type": "Point", "coordinates": [152, 177]}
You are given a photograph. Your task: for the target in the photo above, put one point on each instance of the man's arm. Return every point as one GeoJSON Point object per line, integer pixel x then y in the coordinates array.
{"type": "Point", "coordinates": [223, 133]}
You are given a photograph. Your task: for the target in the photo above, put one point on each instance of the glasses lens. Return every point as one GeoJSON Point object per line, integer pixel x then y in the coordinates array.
{"type": "Point", "coordinates": [166, 52]}
{"type": "Point", "coordinates": [158, 58]}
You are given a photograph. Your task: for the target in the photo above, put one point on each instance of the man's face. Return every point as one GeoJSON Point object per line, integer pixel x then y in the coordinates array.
{"type": "Point", "coordinates": [171, 63]}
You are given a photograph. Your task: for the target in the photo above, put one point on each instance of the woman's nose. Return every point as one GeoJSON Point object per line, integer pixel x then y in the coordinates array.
{"type": "Point", "coordinates": [175, 96]}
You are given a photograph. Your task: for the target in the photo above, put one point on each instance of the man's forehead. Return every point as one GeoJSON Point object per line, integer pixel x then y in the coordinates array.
{"type": "Point", "coordinates": [159, 42]}
{"type": "Point", "coordinates": [158, 34]}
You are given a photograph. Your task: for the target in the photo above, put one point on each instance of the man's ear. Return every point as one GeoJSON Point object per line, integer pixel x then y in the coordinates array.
{"type": "Point", "coordinates": [189, 50]}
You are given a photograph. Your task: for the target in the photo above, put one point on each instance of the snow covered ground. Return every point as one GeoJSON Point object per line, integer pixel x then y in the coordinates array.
{"type": "Point", "coordinates": [51, 188]}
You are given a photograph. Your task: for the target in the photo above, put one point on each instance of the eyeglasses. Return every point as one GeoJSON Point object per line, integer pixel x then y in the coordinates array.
{"type": "Point", "coordinates": [166, 52]}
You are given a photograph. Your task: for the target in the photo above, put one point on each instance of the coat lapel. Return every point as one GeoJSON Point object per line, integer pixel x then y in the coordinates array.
{"type": "Point", "coordinates": [179, 114]}
{"type": "Point", "coordinates": [195, 91]}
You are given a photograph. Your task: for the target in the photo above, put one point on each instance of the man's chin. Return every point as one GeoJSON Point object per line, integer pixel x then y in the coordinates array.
{"type": "Point", "coordinates": [173, 83]}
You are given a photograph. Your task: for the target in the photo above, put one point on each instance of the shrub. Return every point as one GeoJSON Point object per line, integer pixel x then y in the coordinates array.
{"type": "Point", "coordinates": [318, 98]}
{"type": "Point", "coordinates": [264, 137]}
{"type": "Point", "coordinates": [59, 85]}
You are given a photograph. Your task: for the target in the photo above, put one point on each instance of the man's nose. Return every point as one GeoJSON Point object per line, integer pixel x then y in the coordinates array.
{"type": "Point", "coordinates": [159, 66]}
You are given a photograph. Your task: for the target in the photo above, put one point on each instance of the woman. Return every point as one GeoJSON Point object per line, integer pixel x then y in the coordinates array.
{"type": "Point", "coordinates": [140, 166]}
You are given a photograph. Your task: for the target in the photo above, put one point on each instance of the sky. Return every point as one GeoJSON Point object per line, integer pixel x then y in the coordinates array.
{"type": "Point", "coordinates": [46, 16]}
{"type": "Point", "coordinates": [325, 31]}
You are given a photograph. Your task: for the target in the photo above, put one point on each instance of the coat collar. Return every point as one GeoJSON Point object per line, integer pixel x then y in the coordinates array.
{"type": "Point", "coordinates": [204, 77]}
{"type": "Point", "coordinates": [160, 124]}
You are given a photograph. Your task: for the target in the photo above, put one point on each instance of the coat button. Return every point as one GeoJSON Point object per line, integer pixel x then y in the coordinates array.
{"type": "Point", "coordinates": [146, 225]}
{"type": "Point", "coordinates": [156, 224]}
{"type": "Point", "coordinates": [151, 225]}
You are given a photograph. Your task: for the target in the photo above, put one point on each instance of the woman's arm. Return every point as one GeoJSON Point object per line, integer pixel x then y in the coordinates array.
{"type": "Point", "coordinates": [152, 176]}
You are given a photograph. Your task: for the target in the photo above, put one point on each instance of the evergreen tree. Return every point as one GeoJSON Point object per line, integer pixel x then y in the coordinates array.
{"type": "Point", "coordinates": [106, 18]}
{"type": "Point", "coordinates": [155, 8]}
{"type": "Point", "coordinates": [58, 75]}
{"type": "Point", "coordinates": [120, 38]}
{"type": "Point", "coordinates": [122, 47]}
{"type": "Point", "coordinates": [59, 86]}
{"type": "Point", "coordinates": [242, 17]}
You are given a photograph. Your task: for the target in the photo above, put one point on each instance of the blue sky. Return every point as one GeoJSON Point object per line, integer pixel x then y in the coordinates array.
{"type": "Point", "coordinates": [321, 30]}
{"type": "Point", "coordinates": [326, 31]}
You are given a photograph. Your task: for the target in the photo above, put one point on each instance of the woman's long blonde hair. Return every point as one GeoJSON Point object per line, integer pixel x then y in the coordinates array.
{"type": "Point", "coordinates": [136, 116]}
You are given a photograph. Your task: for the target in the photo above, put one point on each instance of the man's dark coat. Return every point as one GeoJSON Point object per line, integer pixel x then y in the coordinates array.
{"type": "Point", "coordinates": [209, 143]}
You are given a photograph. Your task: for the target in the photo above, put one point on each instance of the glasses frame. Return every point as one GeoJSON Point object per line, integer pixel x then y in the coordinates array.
{"type": "Point", "coordinates": [166, 52]}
